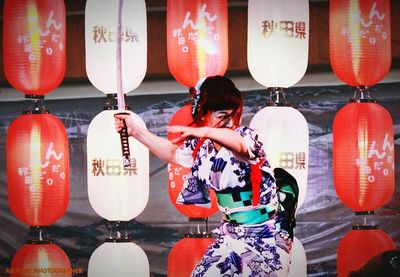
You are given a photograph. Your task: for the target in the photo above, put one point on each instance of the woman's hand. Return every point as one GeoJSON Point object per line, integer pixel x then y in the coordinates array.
{"type": "Point", "coordinates": [130, 124]}
{"type": "Point", "coordinates": [185, 132]}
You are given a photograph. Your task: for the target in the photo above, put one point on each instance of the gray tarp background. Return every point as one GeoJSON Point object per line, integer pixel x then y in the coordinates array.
{"type": "Point", "coordinates": [322, 219]}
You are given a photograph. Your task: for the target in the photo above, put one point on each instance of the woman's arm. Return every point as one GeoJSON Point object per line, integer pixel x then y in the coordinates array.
{"type": "Point", "coordinates": [161, 147]}
{"type": "Point", "coordinates": [224, 136]}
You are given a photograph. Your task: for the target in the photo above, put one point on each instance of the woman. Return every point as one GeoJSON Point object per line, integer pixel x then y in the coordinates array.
{"type": "Point", "coordinates": [253, 238]}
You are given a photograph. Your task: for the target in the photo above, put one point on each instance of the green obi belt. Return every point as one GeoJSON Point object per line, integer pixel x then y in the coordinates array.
{"type": "Point", "coordinates": [237, 208]}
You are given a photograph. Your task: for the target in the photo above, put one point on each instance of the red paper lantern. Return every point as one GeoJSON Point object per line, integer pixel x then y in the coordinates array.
{"type": "Point", "coordinates": [360, 40]}
{"type": "Point", "coordinates": [40, 260]}
{"type": "Point", "coordinates": [359, 245]}
{"type": "Point", "coordinates": [37, 169]}
{"type": "Point", "coordinates": [363, 156]}
{"type": "Point", "coordinates": [34, 44]}
{"type": "Point", "coordinates": [186, 254]}
{"type": "Point", "coordinates": [197, 39]}
{"type": "Point", "coordinates": [177, 174]}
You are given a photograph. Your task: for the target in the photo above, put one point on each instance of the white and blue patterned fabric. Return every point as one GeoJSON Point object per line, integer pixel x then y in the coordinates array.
{"type": "Point", "coordinates": [240, 249]}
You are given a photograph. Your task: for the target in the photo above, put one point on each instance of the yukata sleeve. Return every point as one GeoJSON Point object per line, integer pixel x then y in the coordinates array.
{"type": "Point", "coordinates": [195, 191]}
{"type": "Point", "coordinates": [184, 153]}
{"type": "Point", "coordinates": [254, 145]}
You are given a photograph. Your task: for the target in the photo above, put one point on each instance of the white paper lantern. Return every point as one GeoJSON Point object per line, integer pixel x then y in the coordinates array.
{"type": "Point", "coordinates": [284, 134]}
{"type": "Point", "coordinates": [119, 259]}
{"type": "Point", "coordinates": [116, 193]}
{"type": "Point", "coordinates": [277, 41]}
{"type": "Point", "coordinates": [101, 24]}
{"type": "Point", "coordinates": [298, 265]}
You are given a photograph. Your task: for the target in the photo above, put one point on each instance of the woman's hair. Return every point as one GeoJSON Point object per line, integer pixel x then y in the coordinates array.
{"type": "Point", "coordinates": [218, 93]}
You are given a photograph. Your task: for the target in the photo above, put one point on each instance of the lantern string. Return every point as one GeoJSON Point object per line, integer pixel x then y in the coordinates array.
{"type": "Point", "coordinates": [120, 93]}
{"type": "Point", "coordinates": [191, 228]}
{"type": "Point", "coordinates": [279, 94]}
{"type": "Point", "coordinates": [40, 235]}
{"type": "Point", "coordinates": [36, 106]}
{"type": "Point", "coordinates": [196, 228]}
{"type": "Point", "coordinates": [363, 91]}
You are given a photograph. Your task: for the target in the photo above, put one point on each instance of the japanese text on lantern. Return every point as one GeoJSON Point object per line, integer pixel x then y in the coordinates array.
{"type": "Point", "coordinates": [48, 170]}
{"type": "Point", "coordinates": [112, 167]}
{"type": "Point", "coordinates": [292, 160]}
{"type": "Point", "coordinates": [177, 172]}
{"type": "Point", "coordinates": [195, 30]}
{"type": "Point", "coordinates": [48, 39]}
{"type": "Point", "coordinates": [381, 162]}
{"type": "Point", "coordinates": [102, 34]}
{"type": "Point", "coordinates": [371, 29]}
{"type": "Point", "coordinates": [286, 28]}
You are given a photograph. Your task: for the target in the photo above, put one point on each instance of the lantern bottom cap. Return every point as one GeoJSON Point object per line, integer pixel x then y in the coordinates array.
{"type": "Point", "coordinates": [129, 239]}
{"type": "Point", "coordinates": [365, 227]}
{"type": "Point", "coordinates": [198, 219]}
{"type": "Point", "coordinates": [39, 241]}
{"type": "Point", "coordinates": [364, 212]}
{"type": "Point", "coordinates": [197, 235]}
{"type": "Point", "coordinates": [34, 96]}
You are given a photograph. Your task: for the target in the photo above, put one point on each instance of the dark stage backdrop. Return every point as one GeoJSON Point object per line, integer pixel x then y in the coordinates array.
{"type": "Point", "coordinates": [321, 221]}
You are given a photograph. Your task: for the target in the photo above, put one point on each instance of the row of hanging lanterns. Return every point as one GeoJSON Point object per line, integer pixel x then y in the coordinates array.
{"type": "Point", "coordinates": [363, 139]}
{"type": "Point", "coordinates": [37, 145]}
{"type": "Point", "coordinates": [37, 155]}
{"type": "Point", "coordinates": [277, 56]}
{"type": "Point", "coordinates": [118, 186]}
{"type": "Point", "coordinates": [197, 47]}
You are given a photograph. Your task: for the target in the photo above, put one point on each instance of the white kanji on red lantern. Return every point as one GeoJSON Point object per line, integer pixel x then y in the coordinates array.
{"type": "Point", "coordinates": [197, 39]}
{"type": "Point", "coordinates": [34, 38]}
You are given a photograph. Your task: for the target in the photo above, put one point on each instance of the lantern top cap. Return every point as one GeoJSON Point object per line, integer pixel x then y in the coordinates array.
{"type": "Point", "coordinates": [197, 235]}
{"type": "Point", "coordinates": [279, 104]}
{"type": "Point", "coordinates": [118, 240]}
{"type": "Point", "coordinates": [365, 227]}
{"type": "Point", "coordinates": [36, 110]}
{"type": "Point", "coordinates": [39, 242]}
{"type": "Point", "coordinates": [364, 212]}
{"type": "Point", "coordinates": [365, 100]}
{"type": "Point", "coordinates": [276, 89]}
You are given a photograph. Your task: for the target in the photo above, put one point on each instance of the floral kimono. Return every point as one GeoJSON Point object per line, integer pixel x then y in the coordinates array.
{"type": "Point", "coordinates": [252, 239]}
